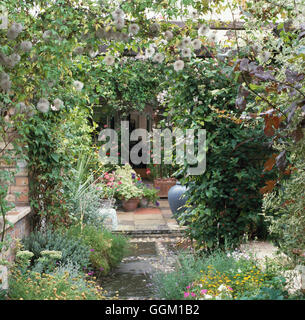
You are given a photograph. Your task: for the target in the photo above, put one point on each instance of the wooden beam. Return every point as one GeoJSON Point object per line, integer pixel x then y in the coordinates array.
{"type": "Point", "coordinates": [217, 25]}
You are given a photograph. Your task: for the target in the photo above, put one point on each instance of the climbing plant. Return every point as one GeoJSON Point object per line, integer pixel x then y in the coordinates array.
{"type": "Point", "coordinates": [224, 201]}
{"type": "Point", "coordinates": [52, 54]}
{"type": "Point", "coordinates": [44, 57]}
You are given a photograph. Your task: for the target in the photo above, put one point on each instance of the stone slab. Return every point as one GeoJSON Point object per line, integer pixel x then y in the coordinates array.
{"type": "Point", "coordinates": [148, 211]}
{"type": "Point", "coordinates": [125, 217]}
{"type": "Point", "coordinates": [125, 228]}
{"type": "Point", "coordinates": [126, 223]}
{"type": "Point", "coordinates": [148, 217]}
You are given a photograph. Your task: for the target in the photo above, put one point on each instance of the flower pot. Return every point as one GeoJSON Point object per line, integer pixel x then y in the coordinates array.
{"type": "Point", "coordinates": [109, 217]}
{"type": "Point", "coordinates": [131, 204]}
{"type": "Point", "coordinates": [144, 203]}
{"type": "Point", "coordinates": [177, 199]}
{"type": "Point", "coordinates": [164, 184]}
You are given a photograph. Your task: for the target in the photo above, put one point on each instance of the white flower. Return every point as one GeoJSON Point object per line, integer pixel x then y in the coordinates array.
{"type": "Point", "coordinates": [196, 44]}
{"type": "Point", "coordinates": [222, 288]}
{"type": "Point", "coordinates": [212, 36]}
{"type": "Point", "coordinates": [12, 60]}
{"type": "Point", "coordinates": [58, 104]}
{"type": "Point", "coordinates": [218, 298]}
{"type": "Point", "coordinates": [159, 57]}
{"type": "Point", "coordinates": [186, 52]}
{"type": "Point", "coordinates": [43, 105]}
{"type": "Point", "coordinates": [5, 82]}
{"type": "Point", "coordinates": [154, 28]}
{"type": "Point", "coordinates": [168, 35]}
{"type": "Point", "coordinates": [134, 29]}
{"type": "Point", "coordinates": [109, 60]}
{"type": "Point", "coordinates": [14, 30]}
{"type": "Point", "coordinates": [93, 53]}
{"type": "Point", "coordinates": [26, 46]}
{"type": "Point", "coordinates": [120, 23]}
{"type": "Point", "coordinates": [207, 296]}
{"type": "Point", "coordinates": [194, 14]}
{"type": "Point", "coordinates": [185, 42]}
{"type": "Point", "coordinates": [150, 52]}
{"type": "Point", "coordinates": [203, 30]}
{"type": "Point", "coordinates": [178, 65]}
{"type": "Point", "coordinates": [78, 85]}
{"type": "Point", "coordinates": [117, 13]}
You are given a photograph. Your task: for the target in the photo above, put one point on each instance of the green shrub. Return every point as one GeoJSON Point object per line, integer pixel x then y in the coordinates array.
{"type": "Point", "coordinates": [224, 201]}
{"type": "Point", "coordinates": [284, 208]}
{"type": "Point", "coordinates": [106, 249]}
{"type": "Point", "coordinates": [72, 249]}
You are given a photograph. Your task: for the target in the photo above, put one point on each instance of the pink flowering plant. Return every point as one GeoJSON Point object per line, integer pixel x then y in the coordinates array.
{"type": "Point", "coordinates": [122, 183]}
{"type": "Point", "coordinates": [108, 185]}
{"type": "Point", "coordinates": [130, 180]}
{"type": "Point", "coordinates": [196, 291]}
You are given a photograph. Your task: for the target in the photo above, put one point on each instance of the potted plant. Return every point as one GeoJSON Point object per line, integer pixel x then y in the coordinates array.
{"type": "Point", "coordinates": [161, 175]}
{"type": "Point", "coordinates": [107, 186]}
{"type": "Point", "coordinates": [127, 188]}
{"type": "Point", "coordinates": [150, 195]}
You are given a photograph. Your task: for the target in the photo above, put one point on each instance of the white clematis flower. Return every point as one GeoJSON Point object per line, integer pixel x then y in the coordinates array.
{"type": "Point", "coordinates": [179, 65]}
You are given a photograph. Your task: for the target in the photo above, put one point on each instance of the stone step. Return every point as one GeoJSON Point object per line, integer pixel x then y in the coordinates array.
{"type": "Point", "coordinates": [148, 233]}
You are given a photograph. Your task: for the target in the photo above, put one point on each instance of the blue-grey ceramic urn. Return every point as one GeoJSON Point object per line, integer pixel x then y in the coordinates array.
{"type": "Point", "coordinates": [177, 198]}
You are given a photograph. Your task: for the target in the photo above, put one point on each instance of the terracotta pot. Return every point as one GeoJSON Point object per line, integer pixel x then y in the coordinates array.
{"type": "Point", "coordinates": [131, 204]}
{"type": "Point", "coordinates": [164, 184]}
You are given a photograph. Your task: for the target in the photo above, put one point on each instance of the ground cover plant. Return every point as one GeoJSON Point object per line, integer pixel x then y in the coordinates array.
{"type": "Point", "coordinates": [65, 282]}
{"type": "Point", "coordinates": [222, 275]}
{"type": "Point", "coordinates": [106, 249]}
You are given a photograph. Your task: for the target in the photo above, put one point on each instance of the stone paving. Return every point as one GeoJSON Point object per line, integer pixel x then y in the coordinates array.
{"type": "Point", "coordinates": [148, 219]}
{"type": "Point", "coordinates": [133, 277]}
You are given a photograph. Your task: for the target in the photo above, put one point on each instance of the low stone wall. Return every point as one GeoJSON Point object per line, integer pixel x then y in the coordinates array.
{"type": "Point", "coordinates": [20, 218]}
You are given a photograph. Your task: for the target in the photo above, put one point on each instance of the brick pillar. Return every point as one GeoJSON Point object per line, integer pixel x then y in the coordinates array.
{"type": "Point", "coordinates": [20, 185]}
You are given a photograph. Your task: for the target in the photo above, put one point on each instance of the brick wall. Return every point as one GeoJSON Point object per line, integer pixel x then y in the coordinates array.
{"type": "Point", "coordinates": [18, 191]}
{"type": "Point", "coordinates": [18, 194]}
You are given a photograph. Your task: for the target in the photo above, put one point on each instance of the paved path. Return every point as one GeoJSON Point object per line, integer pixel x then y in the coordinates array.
{"type": "Point", "coordinates": [148, 219]}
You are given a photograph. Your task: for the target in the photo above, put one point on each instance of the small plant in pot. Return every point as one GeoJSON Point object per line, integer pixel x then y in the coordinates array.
{"type": "Point", "coordinates": [107, 185]}
{"type": "Point", "coordinates": [150, 195]}
{"type": "Point", "coordinates": [161, 174]}
{"type": "Point", "coordinates": [127, 190]}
